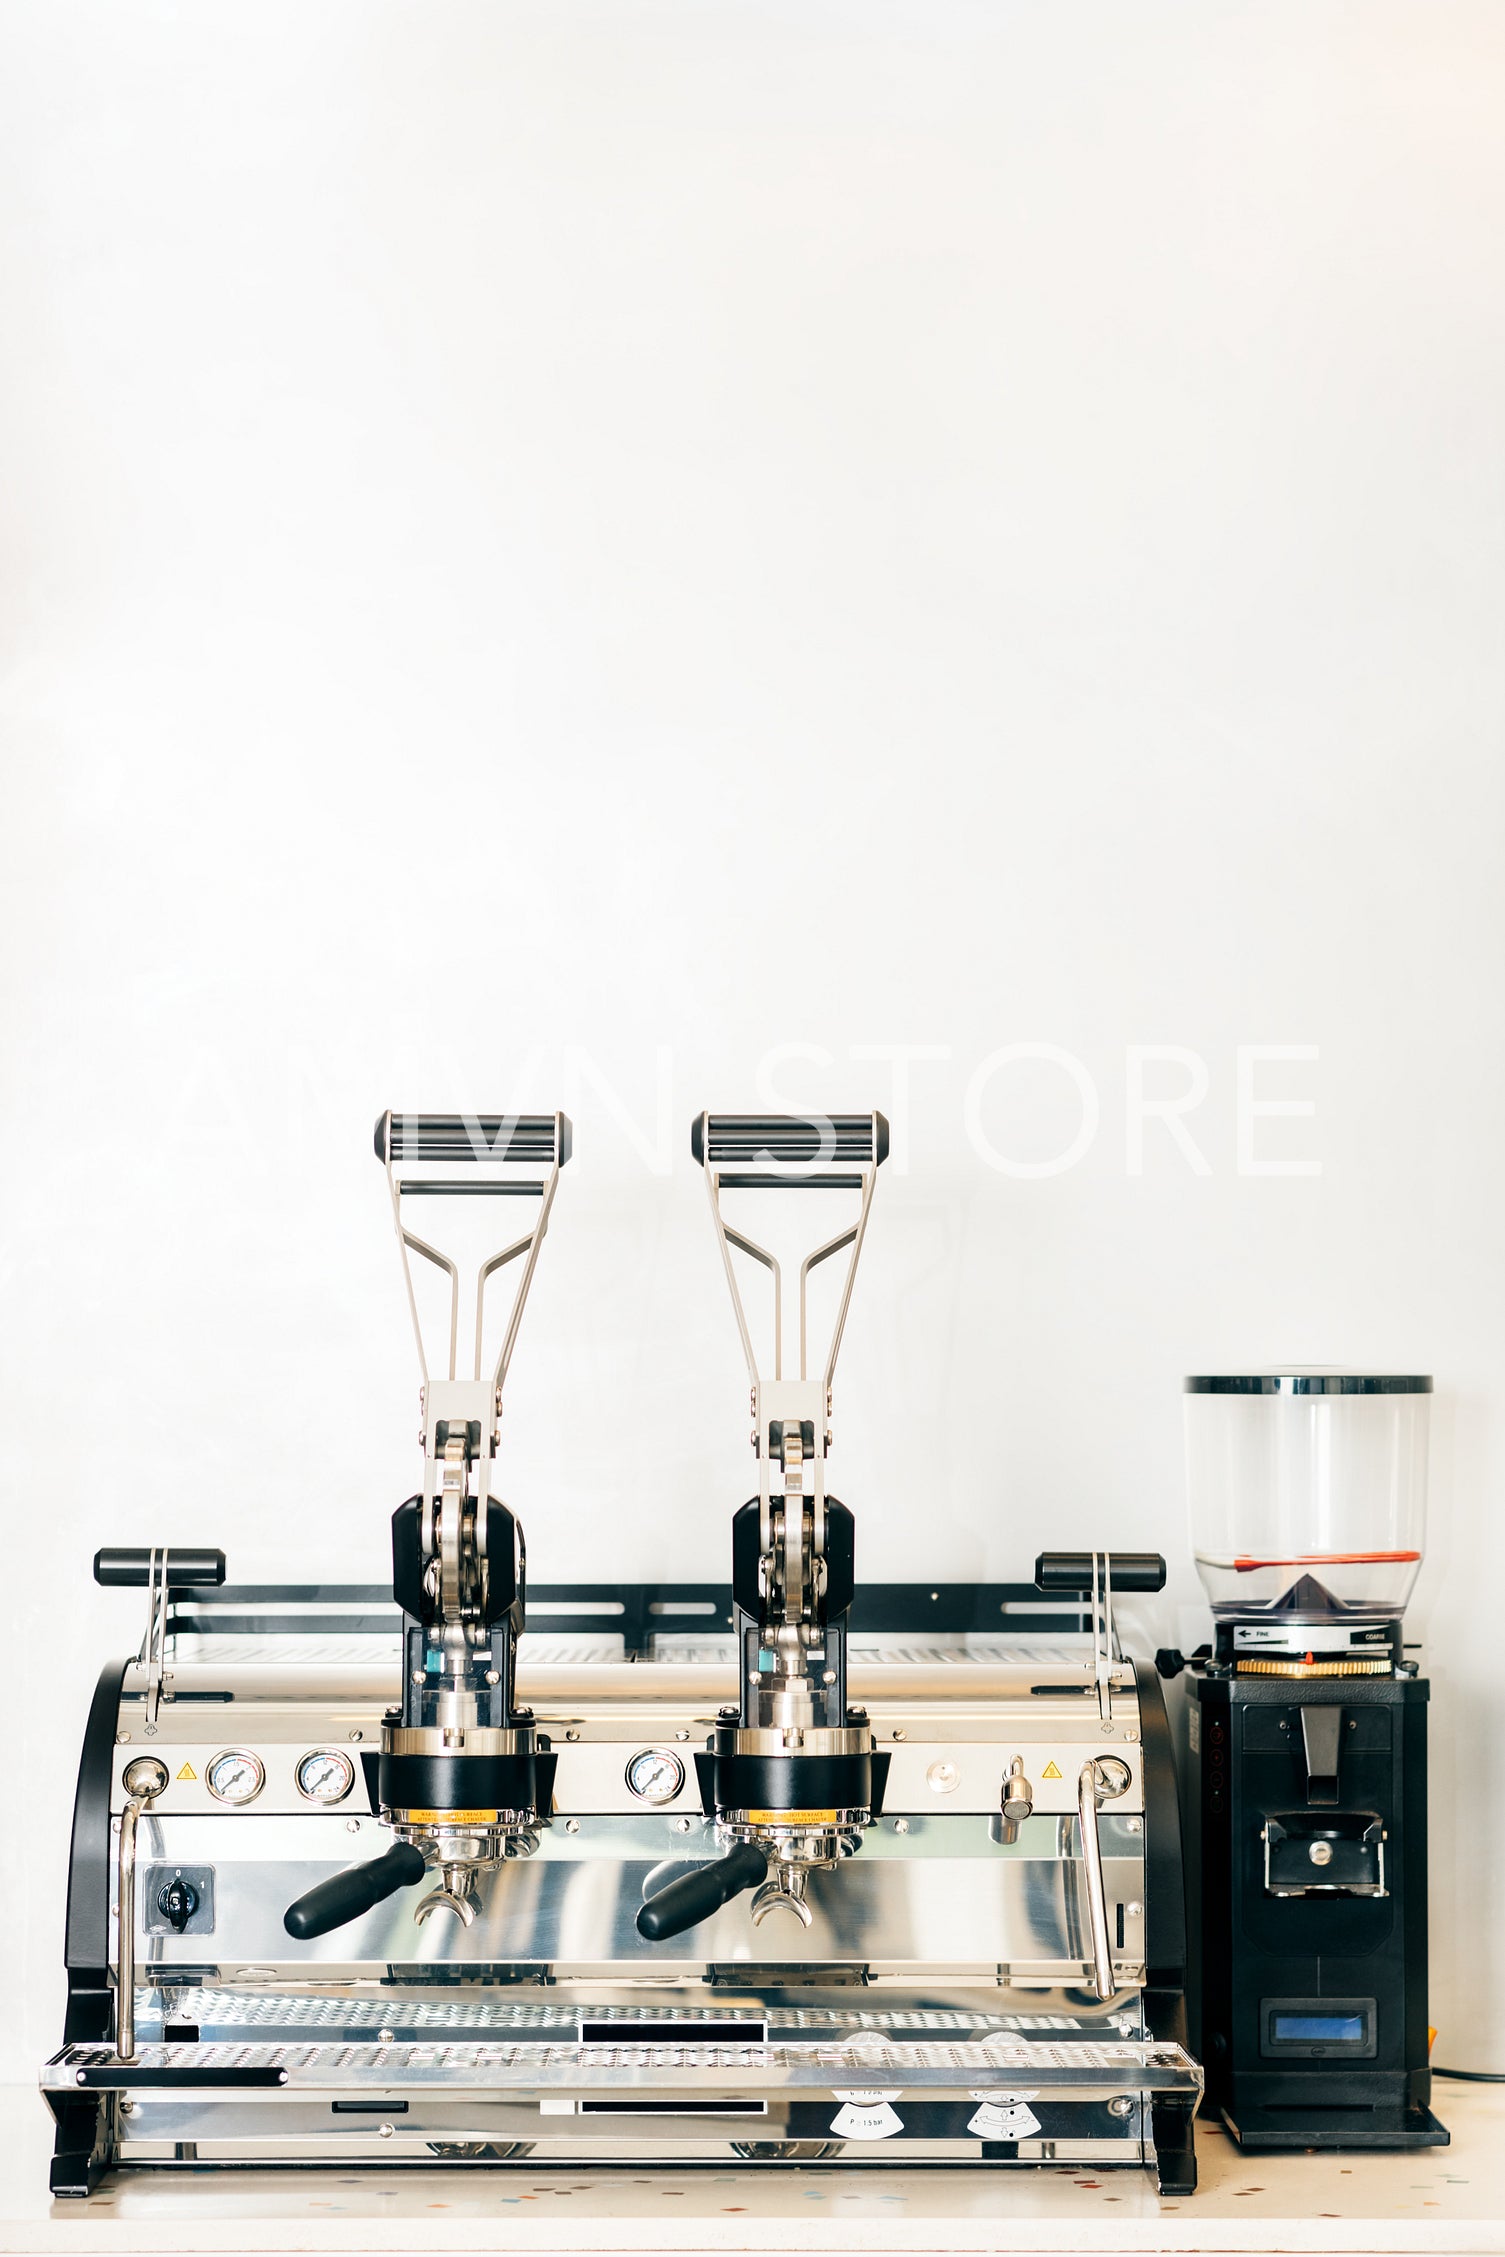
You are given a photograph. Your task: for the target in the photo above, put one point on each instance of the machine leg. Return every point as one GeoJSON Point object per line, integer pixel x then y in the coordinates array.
{"type": "Point", "coordinates": [81, 2150]}
{"type": "Point", "coordinates": [1172, 2130]}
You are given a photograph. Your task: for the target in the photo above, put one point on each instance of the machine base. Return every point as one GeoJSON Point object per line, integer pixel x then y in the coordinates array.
{"type": "Point", "coordinates": [1265, 2129]}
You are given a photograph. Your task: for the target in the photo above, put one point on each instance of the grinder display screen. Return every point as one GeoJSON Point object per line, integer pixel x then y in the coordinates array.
{"type": "Point", "coordinates": [1317, 2029]}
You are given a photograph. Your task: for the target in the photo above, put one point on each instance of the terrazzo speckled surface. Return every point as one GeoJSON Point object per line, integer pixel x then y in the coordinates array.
{"type": "Point", "coordinates": [1446, 2200]}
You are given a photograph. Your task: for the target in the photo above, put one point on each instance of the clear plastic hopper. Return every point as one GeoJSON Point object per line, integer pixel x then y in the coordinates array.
{"type": "Point", "coordinates": [1308, 1490]}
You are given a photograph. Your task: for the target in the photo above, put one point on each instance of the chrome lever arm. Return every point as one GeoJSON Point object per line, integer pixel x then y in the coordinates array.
{"type": "Point", "coordinates": [1102, 1779]}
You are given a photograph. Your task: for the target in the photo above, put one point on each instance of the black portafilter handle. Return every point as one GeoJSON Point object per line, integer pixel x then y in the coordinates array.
{"type": "Point", "coordinates": [1069, 1574]}
{"type": "Point", "coordinates": [345, 1896]}
{"type": "Point", "coordinates": [122, 1568]}
{"type": "Point", "coordinates": [695, 1896]}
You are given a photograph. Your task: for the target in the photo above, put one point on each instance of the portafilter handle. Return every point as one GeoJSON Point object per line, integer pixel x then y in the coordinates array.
{"type": "Point", "coordinates": [345, 1896]}
{"type": "Point", "coordinates": [695, 1896]}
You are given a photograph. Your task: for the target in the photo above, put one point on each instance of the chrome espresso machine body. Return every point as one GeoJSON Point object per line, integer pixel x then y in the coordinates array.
{"type": "Point", "coordinates": [791, 1870]}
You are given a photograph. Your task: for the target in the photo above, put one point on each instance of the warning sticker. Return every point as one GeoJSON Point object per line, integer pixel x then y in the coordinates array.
{"type": "Point", "coordinates": [1051, 1771]}
{"type": "Point", "coordinates": [188, 1772]}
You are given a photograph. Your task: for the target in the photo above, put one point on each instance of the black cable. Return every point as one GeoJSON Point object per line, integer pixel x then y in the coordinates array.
{"type": "Point", "coordinates": [1473, 2076]}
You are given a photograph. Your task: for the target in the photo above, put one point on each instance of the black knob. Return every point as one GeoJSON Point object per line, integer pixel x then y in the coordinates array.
{"type": "Point", "coordinates": [178, 1901]}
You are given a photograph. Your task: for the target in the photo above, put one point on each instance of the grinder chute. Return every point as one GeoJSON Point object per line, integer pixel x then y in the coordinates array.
{"type": "Point", "coordinates": [791, 1775]}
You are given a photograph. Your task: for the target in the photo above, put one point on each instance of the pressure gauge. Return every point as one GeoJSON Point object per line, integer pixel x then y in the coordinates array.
{"type": "Point", "coordinates": [235, 1775]}
{"type": "Point", "coordinates": [325, 1775]}
{"type": "Point", "coordinates": [655, 1775]}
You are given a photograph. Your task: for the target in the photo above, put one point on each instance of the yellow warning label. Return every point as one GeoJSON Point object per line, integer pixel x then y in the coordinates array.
{"type": "Point", "coordinates": [791, 1818]}
{"type": "Point", "coordinates": [1051, 1771]}
{"type": "Point", "coordinates": [188, 1772]}
{"type": "Point", "coordinates": [450, 1817]}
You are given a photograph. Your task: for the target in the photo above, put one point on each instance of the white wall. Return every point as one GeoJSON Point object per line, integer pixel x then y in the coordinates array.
{"type": "Point", "coordinates": [650, 532]}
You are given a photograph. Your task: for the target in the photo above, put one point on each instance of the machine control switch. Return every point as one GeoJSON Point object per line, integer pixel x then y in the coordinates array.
{"type": "Point", "coordinates": [1018, 1794]}
{"type": "Point", "coordinates": [177, 1900]}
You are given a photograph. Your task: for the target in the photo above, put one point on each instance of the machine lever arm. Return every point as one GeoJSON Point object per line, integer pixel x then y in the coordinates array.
{"type": "Point", "coordinates": [345, 1896]}
{"type": "Point", "coordinates": [1102, 1778]}
{"type": "Point", "coordinates": [695, 1896]}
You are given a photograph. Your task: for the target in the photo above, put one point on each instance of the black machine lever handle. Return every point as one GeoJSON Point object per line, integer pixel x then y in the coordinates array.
{"type": "Point", "coordinates": [345, 1896]}
{"type": "Point", "coordinates": [728, 1139]}
{"type": "Point", "coordinates": [126, 1569]}
{"type": "Point", "coordinates": [695, 1896]}
{"type": "Point", "coordinates": [1069, 1574]}
{"type": "Point", "coordinates": [537, 1139]}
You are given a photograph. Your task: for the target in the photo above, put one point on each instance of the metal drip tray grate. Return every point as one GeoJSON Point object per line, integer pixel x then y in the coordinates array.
{"type": "Point", "coordinates": [472, 2010]}
{"type": "Point", "coordinates": [536, 2066]}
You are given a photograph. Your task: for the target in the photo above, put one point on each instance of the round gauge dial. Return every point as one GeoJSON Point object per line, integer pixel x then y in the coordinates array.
{"type": "Point", "coordinates": [655, 1775]}
{"type": "Point", "coordinates": [235, 1775]}
{"type": "Point", "coordinates": [325, 1775]}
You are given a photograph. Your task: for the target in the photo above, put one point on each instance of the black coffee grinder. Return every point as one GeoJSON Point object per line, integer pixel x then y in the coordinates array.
{"type": "Point", "coordinates": [1306, 1759]}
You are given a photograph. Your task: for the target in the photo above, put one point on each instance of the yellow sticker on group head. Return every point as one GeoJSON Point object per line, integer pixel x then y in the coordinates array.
{"type": "Point", "coordinates": [791, 1818]}
{"type": "Point", "coordinates": [450, 1817]}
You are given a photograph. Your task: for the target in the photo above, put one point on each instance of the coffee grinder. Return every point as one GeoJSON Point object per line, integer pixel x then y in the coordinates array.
{"type": "Point", "coordinates": [1306, 1745]}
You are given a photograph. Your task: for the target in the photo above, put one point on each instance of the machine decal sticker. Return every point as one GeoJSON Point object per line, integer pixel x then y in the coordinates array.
{"type": "Point", "coordinates": [866, 2115]}
{"type": "Point", "coordinates": [1004, 2115]}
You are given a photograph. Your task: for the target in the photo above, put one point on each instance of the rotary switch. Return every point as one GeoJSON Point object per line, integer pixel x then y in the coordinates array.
{"type": "Point", "coordinates": [177, 1901]}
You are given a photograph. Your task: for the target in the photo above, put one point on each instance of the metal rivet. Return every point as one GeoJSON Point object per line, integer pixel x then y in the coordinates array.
{"type": "Point", "coordinates": [121, 1738]}
{"type": "Point", "coordinates": [572, 1734]}
{"type": "Point", "coordinates": [681, 1735]}
{"type": "Point", "coordinates": [384, 2037]}
{"type": "Point", "coordinates": [1134, 1909]}
{"type": "Point", "coordinates": [900, 1733]}
{"type": "Point", "coordinates": [385, 2131]}
{"type": "Point", "coordinates": [1121, 2105]}
{"type": "Point", "coordinates": [357, 1734]}
{"type": "Point", "coordinates": [352, 1825]}
{"type": "Point", "coordinates": [1133, 1825]}
{"type": "Point", "coordinates": [681, 1825]}
{"type": "Point", "coordinates": [901, 1825]}
{"type": "Point", "coordinates": [572, 1825]}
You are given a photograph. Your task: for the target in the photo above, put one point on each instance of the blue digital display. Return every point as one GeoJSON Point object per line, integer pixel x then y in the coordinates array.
{"type": "Point", "coordinates": [1318, 2029]}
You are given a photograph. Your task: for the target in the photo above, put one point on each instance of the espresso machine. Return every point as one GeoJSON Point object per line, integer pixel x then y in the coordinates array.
{"type": "Point", "coordinates": [791, 1870]}
{"type": "Point", "coordinates": [1306, 1758]}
